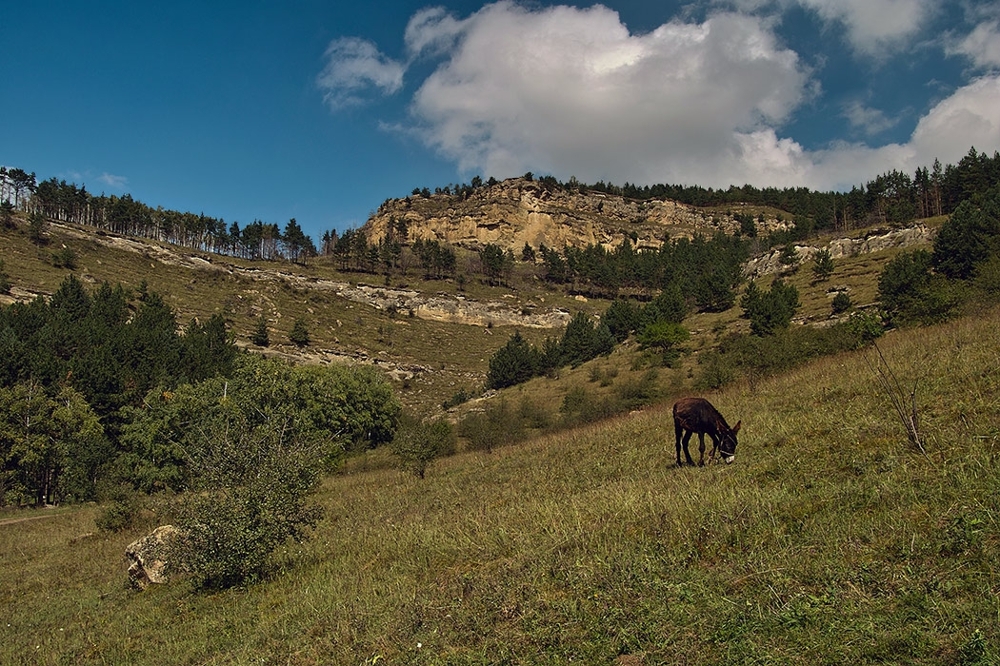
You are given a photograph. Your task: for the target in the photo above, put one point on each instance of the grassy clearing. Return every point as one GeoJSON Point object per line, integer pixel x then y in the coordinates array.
{"type": "Point", "coordinates": [828, 541]}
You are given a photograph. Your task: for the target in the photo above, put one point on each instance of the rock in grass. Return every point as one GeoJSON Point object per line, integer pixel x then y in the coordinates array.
{"type": "Point", "coordinates": [149, 557]}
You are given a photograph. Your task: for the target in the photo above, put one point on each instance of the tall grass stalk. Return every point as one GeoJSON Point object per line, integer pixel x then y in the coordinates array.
{"type": "Point", "coordinates": [905, 405]}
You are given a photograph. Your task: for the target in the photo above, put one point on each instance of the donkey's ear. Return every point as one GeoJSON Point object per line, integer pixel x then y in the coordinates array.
{"type": "Point", "coordinates": [736, 428]}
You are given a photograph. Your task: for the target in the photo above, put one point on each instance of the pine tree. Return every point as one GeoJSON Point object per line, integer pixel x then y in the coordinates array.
{"type": "Point", "coordinates": [260, 335]}
{"type": "Point", "coordinates": [823, 266]}
{"type": "Point", "coordinates": [299, 334]}
{"type": "Point", "coordinates": [4, 279]}
{"type": "Point", "coordinates": [769, 311]}
{"type": "Point", "coordinates": [515, 362]}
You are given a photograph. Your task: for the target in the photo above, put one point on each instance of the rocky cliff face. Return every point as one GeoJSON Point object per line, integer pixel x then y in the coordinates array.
{"type": "Point", "coordinates": [518, 211]}
{"type": "Point", "coordinates": [874, 241]}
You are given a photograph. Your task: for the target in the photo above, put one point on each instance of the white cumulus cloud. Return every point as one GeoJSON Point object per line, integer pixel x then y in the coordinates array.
{"type": "Point", "coordinates": [875, 25]}
{"type": "Point", "coordinates": [968, 118]}
{"type": "Point", "coordinates": [981, 46]}
{"type": "Point", "coordinates": [572, 91]}
{"type": "Point", "coordinates": [113, 181]}
{"type": "Point", "coordinates": [353, 67]}
{"type": "Point", "coordinates": [871, 27]}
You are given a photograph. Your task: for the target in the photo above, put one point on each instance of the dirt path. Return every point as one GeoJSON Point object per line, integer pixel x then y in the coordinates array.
{"type": "Point", "coordinates": [12, 521]}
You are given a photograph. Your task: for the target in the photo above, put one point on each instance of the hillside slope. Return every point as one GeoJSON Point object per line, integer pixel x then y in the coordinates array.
{"type": "Point", "coordinates": [433, 337]}
{"type": "Point", "coordinates": [829, 540]}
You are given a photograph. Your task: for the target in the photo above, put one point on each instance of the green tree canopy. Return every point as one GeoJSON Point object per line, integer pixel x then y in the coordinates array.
{"type": "Point", "coordinates": [822, 265]}
{"type": "Point", "coordinates": [515, 362]}
{"type": "Point", "coordinates": [52, 448]}
{"type": "Point", "coordinates": [968, 238]}
{"type": "Point", "coordinates": [771, 310]}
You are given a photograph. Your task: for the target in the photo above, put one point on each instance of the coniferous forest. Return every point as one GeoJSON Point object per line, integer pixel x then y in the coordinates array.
{"type": "Point", "coordinates": [104, 388]}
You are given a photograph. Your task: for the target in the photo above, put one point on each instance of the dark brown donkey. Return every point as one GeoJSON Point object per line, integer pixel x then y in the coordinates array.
{"type": "Point", "coordinates": [697, 415]}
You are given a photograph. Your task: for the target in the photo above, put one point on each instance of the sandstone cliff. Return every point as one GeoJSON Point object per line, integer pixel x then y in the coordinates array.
{"type": "Point", "coordinates": [518, 211]}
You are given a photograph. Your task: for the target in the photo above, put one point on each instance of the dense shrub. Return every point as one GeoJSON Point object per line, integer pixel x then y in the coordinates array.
{"type": "Point", "coordinates": [251, 482]}
{"type": "Point", "coordinates": [772, 310]}
{"type": "Point", "coordinates": [332, 408]}
{"type": "Point", "coordinates": [968, 237]}
{"type": "Point", "coordinates": [753, 357]}
{"type": "Point", "coordinates": [909, 292]}
{"type": "Point", "coordinates": [841, 302]}
{"type": "Point", "coordinates": [418, 444]}
{"type": "Point", "coordinates": [665, 337]}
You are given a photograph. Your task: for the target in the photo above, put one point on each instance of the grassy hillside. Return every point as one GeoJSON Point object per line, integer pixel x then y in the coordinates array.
{"type": "Point", "coordinates": [445, 358]}
{"type": "Point", "coordinates": [830, 540]}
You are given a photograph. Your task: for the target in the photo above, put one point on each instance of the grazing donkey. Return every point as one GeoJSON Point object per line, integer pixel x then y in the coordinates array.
{"type": "Point", "coordinates": [697, 415]}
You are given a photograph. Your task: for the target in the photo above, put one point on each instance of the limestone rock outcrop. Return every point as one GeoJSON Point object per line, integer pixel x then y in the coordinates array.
{"type": "Point", "coordinates": [875, 241]}
{"type": "Point", "coordinates": [518, 211]}
{"type": "Point", "coordinates": [149, 557]}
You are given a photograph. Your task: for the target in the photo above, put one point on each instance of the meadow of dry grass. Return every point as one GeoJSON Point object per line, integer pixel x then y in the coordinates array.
{"type": "Point", "coordinates": [829, 540]}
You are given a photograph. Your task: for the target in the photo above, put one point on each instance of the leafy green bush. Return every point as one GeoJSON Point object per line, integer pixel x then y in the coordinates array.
{"type": "Point", "coordinates": [334, 407]}
{"type": "Point", "coordinates": [495, 426]}
{"type": "Point", "coordinates": [418, 444]}
{"type": "Point", "coordinates": [250, 481]}
{"type": "Point", "coordinates": [841, 302]}
{"type": "Point", "coordinates": [772, 310]}
{"type": "Point", "coordinates": [665, 337]}
{"type": "Point", "coordinates": [866, 326]}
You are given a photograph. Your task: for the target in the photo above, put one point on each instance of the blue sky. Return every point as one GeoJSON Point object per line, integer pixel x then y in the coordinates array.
{"type": "Point", "coordinates": [322, 110]}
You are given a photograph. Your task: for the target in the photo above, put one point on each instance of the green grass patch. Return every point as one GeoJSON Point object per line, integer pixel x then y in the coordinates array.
{"type": "Point", "coordinates": [829, 540]}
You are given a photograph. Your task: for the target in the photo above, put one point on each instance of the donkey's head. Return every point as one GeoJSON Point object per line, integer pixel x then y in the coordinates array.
{"type": "Point", "coordinates": [728, 444]}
